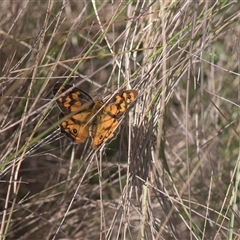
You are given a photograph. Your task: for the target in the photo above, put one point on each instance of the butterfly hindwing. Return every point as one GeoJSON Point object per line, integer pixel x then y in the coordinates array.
{"type": "Point", "coordinates": [76, 127]}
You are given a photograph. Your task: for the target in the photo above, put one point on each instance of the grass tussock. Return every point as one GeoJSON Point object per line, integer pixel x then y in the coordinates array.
{"type": "Point", "coordinates": [173, 170]}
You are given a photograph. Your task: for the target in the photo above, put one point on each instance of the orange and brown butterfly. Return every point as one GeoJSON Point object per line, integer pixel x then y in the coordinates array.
{"type": "Point", "coordinates": [89, 118]}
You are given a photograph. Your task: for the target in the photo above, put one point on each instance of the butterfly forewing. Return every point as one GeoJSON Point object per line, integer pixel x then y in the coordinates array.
{"type": "Point", "coordinates": [73, 100]}
{"type": "Point", "coordinates": [107, 121]}
{"type": "Point", "coordinates": [120, 103]}
{"type": "Point", "coordinates": [77, 104]}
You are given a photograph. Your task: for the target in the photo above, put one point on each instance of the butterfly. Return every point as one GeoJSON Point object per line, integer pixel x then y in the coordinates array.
{"type": "Point", "coordinates": [83, 117]}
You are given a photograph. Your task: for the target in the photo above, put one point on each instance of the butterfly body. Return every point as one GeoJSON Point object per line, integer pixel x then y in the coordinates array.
{"type": "Point", "coordinates": [82, 117]}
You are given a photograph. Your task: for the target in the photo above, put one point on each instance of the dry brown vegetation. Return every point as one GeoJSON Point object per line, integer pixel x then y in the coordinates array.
{"type": "Point", "coordinates": [173, 170]}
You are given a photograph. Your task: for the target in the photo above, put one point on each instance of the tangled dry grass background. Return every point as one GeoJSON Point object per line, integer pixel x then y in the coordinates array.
{"type": "Point", "coordinates": [173, 170]}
